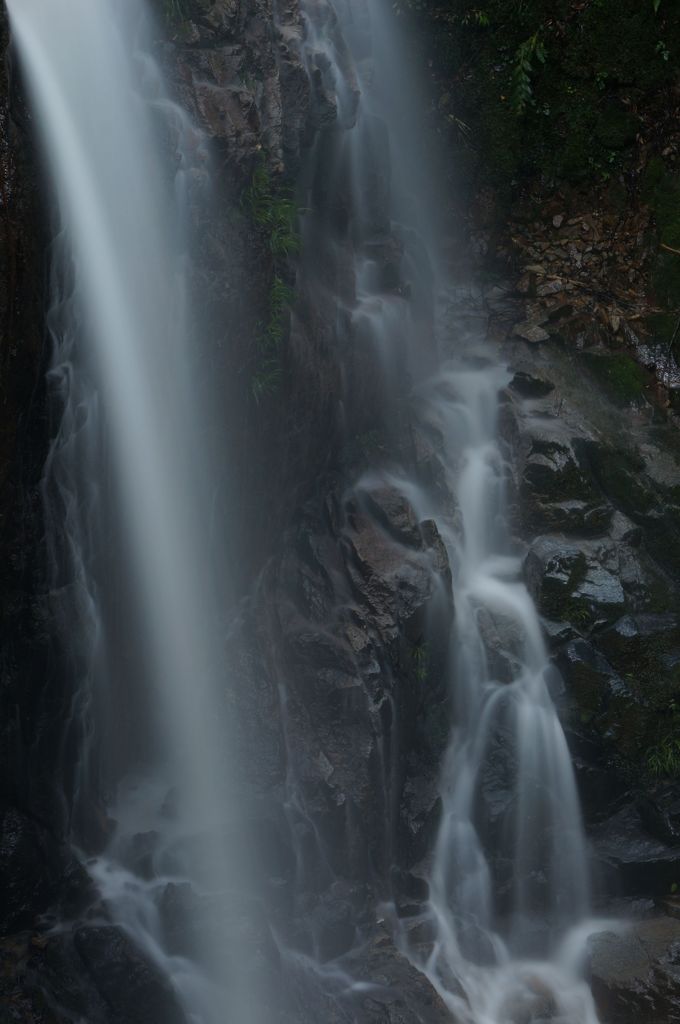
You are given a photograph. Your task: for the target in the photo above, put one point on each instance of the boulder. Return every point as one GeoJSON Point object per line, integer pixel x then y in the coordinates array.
{"type": "Point", "coordinates": [394, 991]}
{"type": "Point", "coordinates": [135, 990]}
{"type": "Point", "coordinates": [556, 492]}
{"type": "Point", "coordinates": [635, 974]}
{"type": "Point", "coordinates": [29, 871]}
{"type": "Point", "coordinates": [570, 583]}
{"type": "Point", "coordinates": [528, 386]}
{"type": "Point", "coordinates": [631, 859]}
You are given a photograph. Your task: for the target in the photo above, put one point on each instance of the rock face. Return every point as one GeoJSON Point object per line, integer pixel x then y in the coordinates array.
{"type": "Point", "coordinates": [635, 975]}
{"type": "Point", "coordinates": [603, 571]}
{"type": "Point", "coordinates": [32, 698]}
{"type": "Point", "coordinates": [343, 643]}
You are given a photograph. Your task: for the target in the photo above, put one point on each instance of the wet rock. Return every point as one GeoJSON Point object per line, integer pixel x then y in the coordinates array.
{"type": "Point", "coordinates": [528, 386]}
{"type": "Point", "coordinates": [645, 647]}
{"type": "Point", "coordinates": [394, 512]}
{"type": "Point", "coordinates": [502, 638]}
{"type": "Point", "coordinates": [531, 332]}
{"type": "Point", "coordinates": [29, 870]}
{"type": "Point", "coordinates": [22, 1003]}
{"type": "Point", "coordinates": [55, 972]}
{"type": "Point", "coordinates": [404, 582]}
{"type": "Point", "coordinates": [333, 919]}
{"type": "Point", "coordinates": [129, 984]}
{"type": "Point", "coordinates": [138, 856]}
{"type": "Point", "coordinates": [570, 583]}
{"type": "Point", "coordinates": [399, 993]}
{"type": "Point", "coordinates": [556, 492]}
{"type": "Point", "coordinates": [552, 470]}
{"type": "Point", "coordinates": [631, 860]}
{"type": "Point", "coordinates": [600, 590]}
{"type": "Point", "coordinates": [660, 813]}
{"type": "Point", "coordinates": [635, 975]}
{"type": "Point", "coordinates": [177, 904]}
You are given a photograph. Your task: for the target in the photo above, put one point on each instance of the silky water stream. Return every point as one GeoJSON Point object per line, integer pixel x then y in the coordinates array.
{"type": "Point", "coordinates": [508, 914]}
{"type": "Point", "coordinates": [137, 571]}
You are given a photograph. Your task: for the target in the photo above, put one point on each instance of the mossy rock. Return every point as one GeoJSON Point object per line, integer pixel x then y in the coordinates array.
{"type": "Point", "coordinates": [620, 375]}
{"type": "Point", "coordinates": [641, 649]}
{"type": "Point", "coordinates": [619, 473]}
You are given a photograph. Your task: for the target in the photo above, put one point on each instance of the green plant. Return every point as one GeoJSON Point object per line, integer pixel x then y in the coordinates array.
{"type": "Point", "coordinates": [664, 759]}
{"type": "Point", "coordinates": [175, 11]}
{"type": "Point", "coordinates": [521, 91]}
{"type": "Point", "coordinates": [421, 658]}
{"type": "Point", "coordinates": [266, 379]}
{"type": "Point", "coordinates": [476, 17]}
{"type": "Point", "coordinates": [274, 213]}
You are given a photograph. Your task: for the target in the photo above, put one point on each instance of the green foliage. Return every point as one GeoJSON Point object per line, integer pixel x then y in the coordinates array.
{"type": "Point", "coordinates": [267, 378]}
{"type": "Point", "coordinates": [174, 11]}
{"type": "Point", "coordinates": [521, 92]}
{"type": "Point", "coordinates": [550, 88]}
{"type": "Point", "coordinates": [273, 212]}
{"type": "Point", "coordinates": [269, 374]}
{"type": "Point", "coordinates": [664, 759]}
{"type": "Point", "coordinates": [476, 17]}
{"type": "Point", "coordinates": [421, 659]}
{"type": "Point", "coordinates": [620, 374]}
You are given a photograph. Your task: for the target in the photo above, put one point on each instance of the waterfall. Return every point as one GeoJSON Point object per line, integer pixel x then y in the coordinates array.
{"type": "Point", "coordinates": [137, 577]}
{"type": "Point", "coordinates": [509, 904]}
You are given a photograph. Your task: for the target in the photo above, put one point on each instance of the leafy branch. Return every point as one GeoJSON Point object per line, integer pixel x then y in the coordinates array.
{"type": "Point", "coordinates": [521, 91]}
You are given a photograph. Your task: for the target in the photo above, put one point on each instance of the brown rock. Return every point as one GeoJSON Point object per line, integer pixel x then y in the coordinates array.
{"type": "Point", "coordinates": [531, 332]}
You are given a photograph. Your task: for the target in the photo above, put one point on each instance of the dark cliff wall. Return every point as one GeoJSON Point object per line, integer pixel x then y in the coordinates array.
{"type": "Point", "coordinates": [30, 698]}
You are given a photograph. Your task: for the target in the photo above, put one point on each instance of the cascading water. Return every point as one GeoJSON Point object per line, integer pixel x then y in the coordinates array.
{"type": "Point", "coordinates": [509, 879]}
{"type": "Point", "coordinates": [137, 572]}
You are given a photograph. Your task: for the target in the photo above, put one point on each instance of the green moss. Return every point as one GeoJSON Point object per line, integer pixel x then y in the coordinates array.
{"type": "Point", "coordinates": [273, 213]}
{"type": "Point", "coordinates": [621, 376]}
{"type": "Point", "coordinates": [618, 472]}
{"type": "Point", "coordinates": [174, 11]}
{"type": "Point", "coordinates": [589, 688]}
